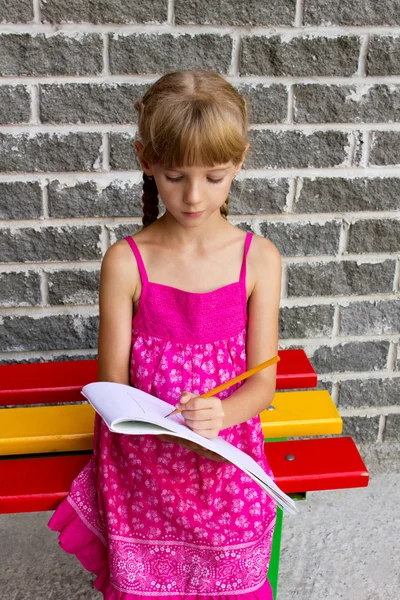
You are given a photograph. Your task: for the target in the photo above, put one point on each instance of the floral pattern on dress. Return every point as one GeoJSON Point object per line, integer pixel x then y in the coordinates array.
{"type": "Point", "coordinates": [174, 522]}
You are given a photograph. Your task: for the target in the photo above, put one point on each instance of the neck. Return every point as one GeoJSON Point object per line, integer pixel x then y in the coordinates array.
{"type": "Point", "coordinates": [173, 233]}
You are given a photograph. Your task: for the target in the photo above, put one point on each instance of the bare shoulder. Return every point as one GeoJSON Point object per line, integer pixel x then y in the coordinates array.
{"type": "Point", "coordinates": [119, 267]}
{"type": "Point", "coordinates": [264, 257]}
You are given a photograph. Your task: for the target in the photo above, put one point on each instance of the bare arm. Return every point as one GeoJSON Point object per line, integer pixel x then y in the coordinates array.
{"type": "Point", "coordinates": [257, 392]}
{"type": "Point", "coordinates": [119, 285]}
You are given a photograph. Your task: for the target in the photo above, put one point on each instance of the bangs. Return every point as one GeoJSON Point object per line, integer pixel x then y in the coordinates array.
{"type": "Point", "coordinates": [195, 132]}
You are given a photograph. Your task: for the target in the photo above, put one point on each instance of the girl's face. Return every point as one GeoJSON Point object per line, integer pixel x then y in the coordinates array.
{"type": "Point", "coordinates": [192, 194]}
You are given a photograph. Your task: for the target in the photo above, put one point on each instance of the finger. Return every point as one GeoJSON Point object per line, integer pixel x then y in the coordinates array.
{"type": "Point", "coordinates": [199, 415]}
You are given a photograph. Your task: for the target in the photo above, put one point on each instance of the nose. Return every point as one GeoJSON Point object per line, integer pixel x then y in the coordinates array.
{"type": "Point", "coordinates": [192, 195]}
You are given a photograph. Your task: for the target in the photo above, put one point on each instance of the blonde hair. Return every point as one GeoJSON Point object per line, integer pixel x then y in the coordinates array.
{"type": "Point", "coordinates": [190, 118]}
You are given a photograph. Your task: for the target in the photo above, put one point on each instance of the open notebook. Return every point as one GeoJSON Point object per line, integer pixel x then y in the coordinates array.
{"type": "Point", "coordinates": [128, 410]}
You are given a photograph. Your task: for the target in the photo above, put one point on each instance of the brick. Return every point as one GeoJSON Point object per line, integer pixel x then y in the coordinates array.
{"type": "Point", "coordinates": [303, 239]}
{"type": "Point", "coordinates": [345, 278]}
{"type": "Point", "coordinates": [16, 11]}
{"type": "Point", "coordinates": [73, 287]}
{"type": "Point", "coordinates": [316, 103]}
{"type": "Point", "coordinates": [55, 332]}
{"type": "Point", "coordinates": [246, 226]}
{"type": "Point", "coordinates": [381, 235]}
{"type": "Point", "coordinates": [231, 12]}
{"type": "Point", "coordinates": [157, 53]}
{"type": "Point", "coordinates": [266, 103]}
{"type": "Point", "coordinates": [383, 55]}
{"type": "Point", "coordinates": [363, 430]}
{"type": "Point", "coordinates": [300, 56]}
{"type": "Point", "coordinates": [89, 102]}
{"type": "Point", "coordinates": [20, 200]}
{"type": "Point", "coordinates": [351, 12]}
{"type": "Point", "coordinates": [357, 393]}
{"type": "Point", "coordinates": [123, 155]}
{"type": "Point", "coordinates": [19, 289]}
{"type": "Point", "coordinates": [368, 318]}
{"type": "Point", "coordinates": [345, 195]}
{"type": "Point", "coordinates": [295, 149]}
{"type": "Point", "coordinates": [50, 244]}
{"type": "Point", "coordinates": [351, 356]}
{"type": "Point", "coordinates": [50, 152]}
{"type": "Point", "coordinates": [88, 199]}
{"type": "Point", "coordinates": [56, 54]}
{"type": "Point", "coordinates": [258, 196]}
{"type": "Point", "coordinates": [104, 11]}
{"type": "Point", "coordinates": [306, 321]}
{"type": "Point", "coordinates": [385, 148]}
{"type": "Point", "coordinates": [14, 104]}
{"type": "Point", "coordinates": [86, 355]}
{"type": "Point", "coordinates": [119, 232]}
{"type": "Point", "coordinates": [392, 429]}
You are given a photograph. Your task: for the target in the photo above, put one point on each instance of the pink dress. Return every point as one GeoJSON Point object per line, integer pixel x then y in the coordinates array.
{"type": "Point", "coordinates": [151, 518]}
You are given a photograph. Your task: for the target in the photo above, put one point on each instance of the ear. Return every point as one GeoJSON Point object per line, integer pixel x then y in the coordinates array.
{"type": "Point", "coordinates": [144, 164]}
{"type": "Point", "coordinates": [239, 166]}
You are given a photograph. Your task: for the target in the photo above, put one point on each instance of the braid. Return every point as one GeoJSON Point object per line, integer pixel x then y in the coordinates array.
{"type": "Point", "coordinates": [224, 208]}
{"type": "Point", "coordinates": [150, 200]}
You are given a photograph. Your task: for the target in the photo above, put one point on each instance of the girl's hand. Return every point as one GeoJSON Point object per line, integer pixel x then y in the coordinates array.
{"type": "Point", "coordinates": [204, 416]}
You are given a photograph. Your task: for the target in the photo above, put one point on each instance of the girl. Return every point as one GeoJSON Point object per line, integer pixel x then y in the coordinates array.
{"type": "Point", "coordinates": [151, 516]}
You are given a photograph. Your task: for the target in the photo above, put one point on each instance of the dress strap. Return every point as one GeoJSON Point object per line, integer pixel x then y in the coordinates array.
{"type": "Point", "coordinates": [247, 243]}
{"type": "Point", "coordinates": [139, 260]}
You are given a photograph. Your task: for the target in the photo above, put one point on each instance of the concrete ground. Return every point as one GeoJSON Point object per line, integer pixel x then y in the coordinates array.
{"type": "Point", "coordinates": [343, 545]}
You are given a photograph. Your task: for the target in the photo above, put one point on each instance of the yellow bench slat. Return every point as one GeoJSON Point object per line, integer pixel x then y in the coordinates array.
{"type": "Point", "coordinates": [308, 412]}
{"type": "Point", "coordinates": [65, 428]}
{"type": "Point", "coordinates": [46, 429]}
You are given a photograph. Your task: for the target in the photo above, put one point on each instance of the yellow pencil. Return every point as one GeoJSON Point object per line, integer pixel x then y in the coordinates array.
{"type": "Point", "coordinates": [231, 382]}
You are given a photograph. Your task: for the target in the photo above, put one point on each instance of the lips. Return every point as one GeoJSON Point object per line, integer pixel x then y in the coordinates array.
{"type": "Point", "coordinates": [193, 214]}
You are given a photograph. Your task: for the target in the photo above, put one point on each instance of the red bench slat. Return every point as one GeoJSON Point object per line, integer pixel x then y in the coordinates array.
{"type": "Point", "coordinates": [319, 464]}
{"type": "Point", "coordinates": [40, 483]}
{"type": "Point", "coordinates": [45, 383]}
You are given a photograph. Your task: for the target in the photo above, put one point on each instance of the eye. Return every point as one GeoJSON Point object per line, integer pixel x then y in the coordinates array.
{"type": "Point", "coordinates": [173, 178]}
{"type": "Point", "coordinates": [214, 180]}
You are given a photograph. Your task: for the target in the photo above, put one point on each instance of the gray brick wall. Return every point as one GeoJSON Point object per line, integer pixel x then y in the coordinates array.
{"type": "Point", "coordinates": [322, 179]}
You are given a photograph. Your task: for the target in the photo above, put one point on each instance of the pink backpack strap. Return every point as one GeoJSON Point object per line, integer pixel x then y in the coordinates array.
{"type": "Point", "coordinates": [247, 243]}
{"type": "Point", "coordinates": [139, 260]}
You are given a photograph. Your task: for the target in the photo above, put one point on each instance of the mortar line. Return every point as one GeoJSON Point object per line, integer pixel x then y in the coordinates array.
{"type": "Point", "coordinates": [106, 152]}
{"type": "Point", "coordinates": [290, 107]}
{"type": "Point", "coordinates": [37, 13]}
{"type": "Point", "coordinates": [234, 68]}
{"type": "Point", "coordinates": [171, 12]}
{"type": "Point", "coordinates": [284, 282]}
{"type": "Point", "coordinates": [344, 237]}
{"type": "Point", "coordinates": [44, 288]}
{"type": "Point", "coordinates": [106, 55]}
{"type": "Point", "coordinates": [34, 91]}
{"type": "Point", "coordinates": [366, 148]}
{"type": "Point", "coordinates": [298, 19]}
{"type": "Point", "coordinates": [362, 59]}
{"type": "Point", "coordinates": [336, 322]}
{"type": "Point", "coordinates": [306, 128]}
{"type": "Point", "coordinates": [290, 197]}
{"type": "Point", "coordinates": [392, 356]}
{"type": "Point", "coordinates": [396, 279]}
{"type": "Point", "coordinates": [45, 200]}
{"type": "Point", "coordinates": [123, 29]}
{"type": "Point", "coordinates": [351, 174]}
{"type": "Point", "coordinates": [381, 429]}
{"type": "Point", "coordinates": [139, 79]}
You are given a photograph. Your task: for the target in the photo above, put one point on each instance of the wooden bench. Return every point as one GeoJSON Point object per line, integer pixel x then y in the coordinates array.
{"type": "Point", "coordinates": [43, 448]}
